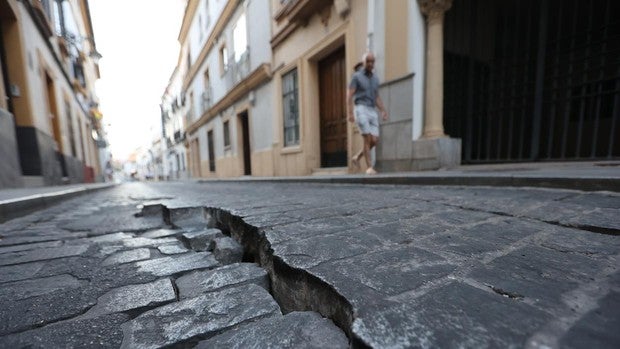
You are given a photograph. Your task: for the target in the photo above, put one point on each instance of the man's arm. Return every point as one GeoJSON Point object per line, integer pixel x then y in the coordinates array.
{"type": "Point", "coordinates": [381, 107]}
{"type": "Point", "coordinates": [350, 93]}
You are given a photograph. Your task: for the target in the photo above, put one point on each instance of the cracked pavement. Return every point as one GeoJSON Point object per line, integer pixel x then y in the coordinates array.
{"type": "Point", "coordinates": [392, 266]}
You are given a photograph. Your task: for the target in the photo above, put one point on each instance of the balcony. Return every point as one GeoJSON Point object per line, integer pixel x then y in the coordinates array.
{"type": "Point", "coordinates": [207, 99]}
{"type": "Point", "coordinates": [238, 70]}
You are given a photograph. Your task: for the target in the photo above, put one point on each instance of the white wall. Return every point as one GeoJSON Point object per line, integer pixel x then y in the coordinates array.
{"type": "Point", "coordinates": [262, 116]}
{"type": "Point", "coordinates": [416, 64]}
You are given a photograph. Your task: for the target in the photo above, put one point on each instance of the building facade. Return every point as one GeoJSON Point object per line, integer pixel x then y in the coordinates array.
{"type": "Point", "coordinates": [49, 69]}
{"type": "Point", "coordinates": [464, 81]}
{"type": "Point", "coordinates": [227, 87]}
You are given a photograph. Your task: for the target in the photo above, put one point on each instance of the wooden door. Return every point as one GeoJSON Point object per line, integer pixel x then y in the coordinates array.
{"type": "Point", "coordinates": [332, 91]}
{"type": "Point", "coordinates": [245, 136]}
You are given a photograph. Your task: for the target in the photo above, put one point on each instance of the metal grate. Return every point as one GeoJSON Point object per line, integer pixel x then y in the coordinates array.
{"type": "Point", "coordinates": [533, 80]}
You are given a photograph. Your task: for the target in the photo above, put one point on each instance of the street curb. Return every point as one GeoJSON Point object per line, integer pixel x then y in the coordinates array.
{"type": "Point", "coordinates": [18, 207]}
{"type": "Point", "coordinates": [574, 183]}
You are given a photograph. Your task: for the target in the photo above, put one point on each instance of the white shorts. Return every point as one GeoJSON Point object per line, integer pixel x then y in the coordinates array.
{"type": "Point", "coordinates": [367, 119]}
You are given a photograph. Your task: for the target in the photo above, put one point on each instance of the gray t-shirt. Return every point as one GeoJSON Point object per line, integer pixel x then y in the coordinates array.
{"type": "Point", "coordinates": [366, 88]}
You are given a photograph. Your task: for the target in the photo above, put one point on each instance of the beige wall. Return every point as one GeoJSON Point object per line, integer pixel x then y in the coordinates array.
{"type": "Point", "coordinates": [303, 49]}
{"type": "Point", "coordinates": [396, 49]}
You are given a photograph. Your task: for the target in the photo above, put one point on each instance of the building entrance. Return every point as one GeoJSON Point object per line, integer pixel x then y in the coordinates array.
{"type": "Point", "coordinates": [529, 80]}
{"type": "Point", "coordinates": [332, 90]}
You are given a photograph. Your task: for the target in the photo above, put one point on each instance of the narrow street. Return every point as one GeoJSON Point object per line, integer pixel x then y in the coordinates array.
{"type": "Point", "coordinates": [217, 264]}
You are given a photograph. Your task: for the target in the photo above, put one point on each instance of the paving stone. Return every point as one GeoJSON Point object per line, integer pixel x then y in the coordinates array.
{"type": "Point", "coordinates": [160, 233]}
{"type": "Point", "coordinates": [175, 264]}
{"type": "Point", "coordinates": [202, 240]}
{"type": "Point", "coordinates": [227, 251]}
{"type": "Point", "coordinates": [293, 330]}
{"type": "Point", "coordinates": [42, 254]}
{"type": "Point", "coordinates": [18, 240]}
{"type": "Point", "coordinates": [133, 297]}
{"type": "Point", "coordinates": [388, 272]}
{"type": "Point", "coordinates": [199, 317]}
{"type": "Point", "coordinates": [127, 256]}
{"type": "Point", "coordinates": [33, 246]}
{"type": "Point", "coordinates": [20, 272]}
{"type": "Point", "coordinates": [145, 242]}
{"type": "Point", "coordinates": [454, 316]}
{"type": "Point", "coordinates": [102, 239]}
{"type": "Point", "coordinates": [102, 332]}
{"type": "Point", "coordinates": [17, 315]}
{"type": "Point", "coordinates": [571, 240]}
{"type": "Point", "coordinates": [114, 219]}
{"type": "Point", "coordinates": [600, 220]}
{"type": "Point", "coordinates": [313, 251]}
{"type": "Point", "coordinates": [541, 275]}
{"type": "Point", "coordinates": [172, 248]}
{"type": "Point", "coordinates": [36, 287]}
{"type": "Point", "coordinates": [598, 328]}
{"type": "Point", "coordinates": [200, 282]}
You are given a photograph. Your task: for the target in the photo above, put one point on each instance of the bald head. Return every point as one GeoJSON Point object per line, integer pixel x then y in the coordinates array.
{"type": "Point", "coordinates": [369, 61]}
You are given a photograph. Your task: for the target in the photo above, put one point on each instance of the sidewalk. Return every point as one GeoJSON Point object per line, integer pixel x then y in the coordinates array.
{"type": "Point", "coordinates": [587, 176]}
{"type": "Point", "coordinates": [21, 201]}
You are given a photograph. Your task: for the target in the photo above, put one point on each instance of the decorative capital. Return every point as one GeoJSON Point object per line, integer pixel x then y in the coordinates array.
{"type": "Point", "coordinates": [434, 8]}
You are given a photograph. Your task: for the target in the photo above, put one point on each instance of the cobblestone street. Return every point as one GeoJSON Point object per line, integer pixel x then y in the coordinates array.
{"type": "Point", "coordinates": [217, 264]}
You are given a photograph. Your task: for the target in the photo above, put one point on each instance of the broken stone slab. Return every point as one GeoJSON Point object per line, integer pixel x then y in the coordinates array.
{"type": "Point", "coordinates": [198, 318]}
{"type": "Point", "coordinates": [101, 332]}
{"type": "Point", "coordinates": [167, 266]}
{"type": "Point", "coordinates": [128, 256]}
{"type": "Point", "coordinates": [227, 251]}
{"type": "Point", "coordinates": [455, 315]}
{"type": "Point", "coordinates": [172, 249]}
{"type": "Point", "coordinates": [293, 330]}
{"type": "Point", "coordinates": [189, 217]}
{"type": "Point", "coordinates": [133, 297]}
{"type": "Point", "coordinates": [202, 240]}
{"type": "Point", "coordinates": [159, 233]}
{"type": "Point", "coordinates": [145, 242]}
{"type": "Point", "coordinates": [200, 282]}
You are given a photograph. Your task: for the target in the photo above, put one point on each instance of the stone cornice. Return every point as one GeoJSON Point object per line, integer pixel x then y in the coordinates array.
{"type": "Point", "coordinates": [188, 15]}
{"type": "Point", "coordinates": [253, 80]}
{"type": "Point", "coordinates": [434, 9]}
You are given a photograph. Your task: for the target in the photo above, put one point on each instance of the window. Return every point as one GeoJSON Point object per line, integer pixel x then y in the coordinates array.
{"type": "Point", "coordinates": [291, 108]}
{"type": "Point", "coordinates": [211, 151]}
{"type": "Point", "coordinates": [226, 133]}
{"type": "Point", "coordinates": [71, 131]}
{"type": "Point", "coordinates": [240, 40]}
{"type": "Point", "coordinates": [189, 61]}
{"type": "Point", "coordinates": [206, 95]}
{"type": "Point", "coordinates": [223, 59]}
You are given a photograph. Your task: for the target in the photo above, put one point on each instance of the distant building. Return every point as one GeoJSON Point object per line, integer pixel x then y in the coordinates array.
{"type": "Point", "coordinates": [227, 87]}
{"type": "Point", "coordinates": [173, 111]}
{"type": "Point", "coordinates": [49, 68]}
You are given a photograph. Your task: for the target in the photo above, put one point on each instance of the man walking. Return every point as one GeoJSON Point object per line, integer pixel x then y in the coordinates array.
{"type": "Point", "coordinates": [362, 101]}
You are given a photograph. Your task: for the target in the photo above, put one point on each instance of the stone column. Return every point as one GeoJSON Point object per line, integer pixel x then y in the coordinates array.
{"type": "Point", "coordinates": [433, 93]}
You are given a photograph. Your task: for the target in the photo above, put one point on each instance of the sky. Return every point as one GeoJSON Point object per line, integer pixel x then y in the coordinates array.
{"type": "Point", "coordinates": [138, 42]}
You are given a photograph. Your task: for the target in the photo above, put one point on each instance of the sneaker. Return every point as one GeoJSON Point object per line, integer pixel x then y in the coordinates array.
{"type": "Point", "coordinates": [371, 171]}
